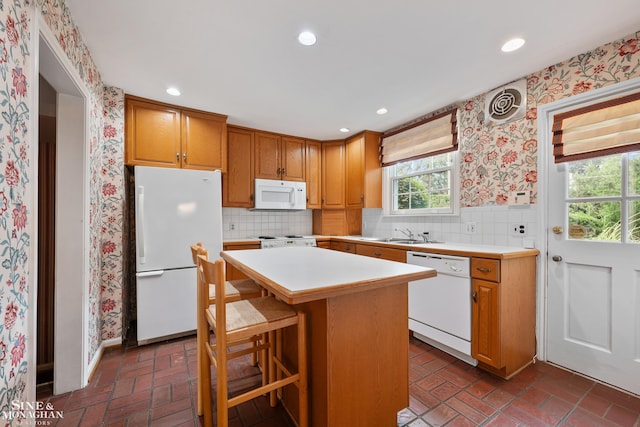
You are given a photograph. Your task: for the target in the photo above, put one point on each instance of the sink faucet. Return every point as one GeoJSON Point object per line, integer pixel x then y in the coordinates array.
{"type": "Point", "coordinates": [425, 237]}
{"type": "Point", "coordinates": [407, 233]}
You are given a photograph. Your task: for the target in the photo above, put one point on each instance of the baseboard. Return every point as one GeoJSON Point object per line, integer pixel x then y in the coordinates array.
{"type": "Point", "coordinates": [113, 342]}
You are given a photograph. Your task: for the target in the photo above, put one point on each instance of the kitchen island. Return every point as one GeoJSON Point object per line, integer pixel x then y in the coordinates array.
{"type": "Point", "coordinates": [357, 311]}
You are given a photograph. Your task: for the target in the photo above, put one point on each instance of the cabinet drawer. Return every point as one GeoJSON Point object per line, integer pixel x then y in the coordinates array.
{"type": "Point", "coordinates": [344, 247]}
{"type": "Point", "coordinates": [487, 269]}
{"type": "Point", "coordinates": [382, 252]}
{"type": "Point", "coordinates": [240, 246]}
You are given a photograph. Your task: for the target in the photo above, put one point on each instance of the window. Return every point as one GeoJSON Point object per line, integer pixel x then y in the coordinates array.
{"type": "Point", "coordinates": [425, 186]}
{"type": "Point", "coordinates": [603, 198]}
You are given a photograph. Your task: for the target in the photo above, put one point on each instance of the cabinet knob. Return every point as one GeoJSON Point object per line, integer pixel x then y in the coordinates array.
{"type": "Point", "coordinates": [484, 269]}
{"type": "Point", "coordinates": [184, 157]}
{"type": "Point", "coordinates": [474, 296]}
{"type": "Point", "coordinates": [177, 157]}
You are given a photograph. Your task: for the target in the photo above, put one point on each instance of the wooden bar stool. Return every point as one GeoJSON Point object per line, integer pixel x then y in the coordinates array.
{"type": "Point", "coordinates": [239, 320]}
{"type": "Point", "coordinates": [235, 290]}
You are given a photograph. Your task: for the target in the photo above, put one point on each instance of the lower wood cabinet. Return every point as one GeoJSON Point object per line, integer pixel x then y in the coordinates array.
{"type": "Point", "coordinates": [375, 251]}
{"type": "Point", "coordinates": [503, 314]}
{"type": "Point", "coordinates": [382, 252]}
{"type": "Point", "coordinates": [343, 246]}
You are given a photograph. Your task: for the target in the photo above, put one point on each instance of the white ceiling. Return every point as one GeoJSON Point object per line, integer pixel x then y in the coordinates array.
{"type": "Point", "coordinates": [242, 58]}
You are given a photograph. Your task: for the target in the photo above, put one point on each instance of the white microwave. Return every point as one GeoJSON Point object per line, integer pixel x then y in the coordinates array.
{"type": "Point", "coordinates": [280, 195]}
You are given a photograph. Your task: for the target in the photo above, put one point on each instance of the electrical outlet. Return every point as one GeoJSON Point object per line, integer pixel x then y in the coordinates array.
{"type": "Point", "coordinates": [470, 227]}
{"type": "Point", "coordinates": [232, 226]}
{"type": "Point", "coordinates": [519, 230]}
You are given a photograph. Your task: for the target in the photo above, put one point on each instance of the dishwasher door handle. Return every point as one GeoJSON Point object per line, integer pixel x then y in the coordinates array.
{"type": "Point", "coordinates": [420, 255]}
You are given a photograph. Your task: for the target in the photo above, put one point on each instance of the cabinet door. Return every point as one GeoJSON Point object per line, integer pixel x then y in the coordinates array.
{"type": "Point", "coordinates": [292, 159]}
{"type": "Point", "coordinates": [152, 134]}
{"type": "Point", "coordinates": [354, 162]}
{"type": "Point", "coordinates": [485, 323]}
{"type": "Point", "coordinates": [313, 174]}
{"type": "Point", "coordinates": [372, 171]}
{"type": "Point", "coordinates": [267, 155]}
{"type": "Point", "coordinates": [333, 178]}
{"type": "Point", "coordinates": [204, 141]}
{"type": "Point", "coordinates": [238, 180]}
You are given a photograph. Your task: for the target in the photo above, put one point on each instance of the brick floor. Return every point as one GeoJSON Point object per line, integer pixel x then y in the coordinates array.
{"type": "Point", "coordinates": [156, 384]}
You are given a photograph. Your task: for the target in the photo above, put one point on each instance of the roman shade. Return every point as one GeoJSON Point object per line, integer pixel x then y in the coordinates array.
{"type": "Point", "coordinates": [606, 128]}
{"type": "Point", "coordinates": [428, 137]}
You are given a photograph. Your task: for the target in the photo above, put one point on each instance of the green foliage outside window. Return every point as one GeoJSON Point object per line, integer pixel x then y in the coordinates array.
{"type": "Point", "coordinates": [602, 178]}
{"type": "Point", "coordinates": [423, 184]}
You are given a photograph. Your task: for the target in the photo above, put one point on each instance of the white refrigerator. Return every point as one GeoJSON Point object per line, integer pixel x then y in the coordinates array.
{"type": "Point", "coordinates": [174, 208]}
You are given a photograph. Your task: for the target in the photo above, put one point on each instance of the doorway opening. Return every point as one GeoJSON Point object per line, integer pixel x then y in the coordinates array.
{"type": "Point", "coordinates": [63, 223]}
{"type": "Point", "coordinates": [46, 233]}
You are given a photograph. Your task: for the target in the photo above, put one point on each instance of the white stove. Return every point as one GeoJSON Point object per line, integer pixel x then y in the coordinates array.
{"type": "Point", "coordinates": [269, 242]}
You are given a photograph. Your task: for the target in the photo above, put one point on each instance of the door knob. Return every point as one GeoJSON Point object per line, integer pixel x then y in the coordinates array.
{"type": "Point", "coordinates": [556, 258]}
{"type": "Point", "coordinates": [557, 230]}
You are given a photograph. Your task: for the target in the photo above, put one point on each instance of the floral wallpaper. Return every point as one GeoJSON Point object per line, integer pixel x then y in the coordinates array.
{"type": "Point", "coordinates": [496, 160]}
{"type": "Point", "coordinates": [16, 195]}
{"type": "Point", "coordinates": [17, 68]}
{"type": "Point", "coordinates": [112, 213]}
{"type": "Point", "coordinates": [58, 18]}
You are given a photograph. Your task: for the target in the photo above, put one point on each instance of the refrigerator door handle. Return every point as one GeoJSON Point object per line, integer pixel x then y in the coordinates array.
{"type": "Point", "coordinates": [150, 273]}
{"type": "Point", "coordinates": [140, 224]}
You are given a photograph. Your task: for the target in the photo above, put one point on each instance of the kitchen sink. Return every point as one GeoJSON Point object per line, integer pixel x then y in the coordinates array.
{"type": "Point", "coordinates": [398, 240]}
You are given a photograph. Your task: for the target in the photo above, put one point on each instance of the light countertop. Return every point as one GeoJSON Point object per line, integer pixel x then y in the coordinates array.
{"type": "Point", "coordinates": [299, 274]}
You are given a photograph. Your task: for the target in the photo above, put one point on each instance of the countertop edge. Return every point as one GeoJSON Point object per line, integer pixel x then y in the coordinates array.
{"type": "Point", "coordinates": [469, 250]}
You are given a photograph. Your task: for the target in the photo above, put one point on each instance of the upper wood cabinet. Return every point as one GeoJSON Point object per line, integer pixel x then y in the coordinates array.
{"type": "Point", "coordinates": [238, 181]}
{"type": "Point", "coordinates": [363, 171]}
{"type": "Point", "coordinates": [279, 157]}
{"type": "Point", "coordinates": [333, 175]}
{"type": "Point", "coordinates": [204, 141]}
{"type": "Point", "coordinates": [164, 135]}
{"type": "Point", "coordinates": [313, 174]}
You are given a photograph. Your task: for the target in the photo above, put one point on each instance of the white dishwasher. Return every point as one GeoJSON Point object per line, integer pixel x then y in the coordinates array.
{"type": "Point", "coordinates": [440, 307]}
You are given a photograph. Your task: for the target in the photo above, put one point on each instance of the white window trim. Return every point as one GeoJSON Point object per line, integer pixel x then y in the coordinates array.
{"type": "Point", "coordinates": [387, 195]}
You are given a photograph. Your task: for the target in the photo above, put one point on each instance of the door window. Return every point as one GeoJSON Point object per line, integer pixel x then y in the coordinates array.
{"type": "Point", "coordinates": [603, 198]}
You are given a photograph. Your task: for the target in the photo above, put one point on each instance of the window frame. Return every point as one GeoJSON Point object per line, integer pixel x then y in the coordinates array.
{"type": "Point", "coordinates": [388, 197]}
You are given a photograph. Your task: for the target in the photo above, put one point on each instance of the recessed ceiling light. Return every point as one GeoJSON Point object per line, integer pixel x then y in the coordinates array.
{"type": "Point", "coordinates": [344, 130]}
{"type": "Point", "coordinates": [513, 44]}
{"type": "Point", "coordinates": [307, 38]}
{"type": "Point", "coordinates": [382, 111]}
{"type": "Point", "coordinates": [173, 91]}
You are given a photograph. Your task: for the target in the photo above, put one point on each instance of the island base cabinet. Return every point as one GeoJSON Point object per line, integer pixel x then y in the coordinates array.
{"type": "Point", "coordinates": [369, 384]}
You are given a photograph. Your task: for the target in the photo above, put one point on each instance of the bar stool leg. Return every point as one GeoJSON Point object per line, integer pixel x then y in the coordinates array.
{"type": "Point", "coordinates": [303, 391]}
{"type": "Point", "coordinates": [273, 399]}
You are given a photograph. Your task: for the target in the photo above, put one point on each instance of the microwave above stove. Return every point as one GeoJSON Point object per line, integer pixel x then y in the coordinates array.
{"type": "Point", "coordinates": [272, 194]}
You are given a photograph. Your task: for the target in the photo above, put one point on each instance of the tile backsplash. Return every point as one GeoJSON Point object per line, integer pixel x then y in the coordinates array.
{"type": "Point", "coordinates": [239, 223]}
{"type": "Point", "coordinates": [486, 225]}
